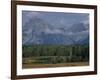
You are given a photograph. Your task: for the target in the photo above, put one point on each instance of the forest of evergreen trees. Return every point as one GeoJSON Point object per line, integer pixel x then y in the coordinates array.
{"type": "Point", "coordinates": [55, 53]}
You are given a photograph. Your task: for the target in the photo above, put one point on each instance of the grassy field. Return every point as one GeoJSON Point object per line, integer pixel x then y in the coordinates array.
{"type": "Point", "coordinates": [39, 56]}
{"type": "Point", "coordinates": [55, 65]}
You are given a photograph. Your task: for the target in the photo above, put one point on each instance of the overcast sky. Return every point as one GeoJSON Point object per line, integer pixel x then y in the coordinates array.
{"type": "Point", "coordinates": [57, 19]}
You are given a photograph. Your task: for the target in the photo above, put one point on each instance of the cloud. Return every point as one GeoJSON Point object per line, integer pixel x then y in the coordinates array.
{"type": "Point", "coordinates": [53, 31]}
{"type": "Point", "coordinates": [33, 14]}
{"type": "Point", "coordinates": [27, 15]}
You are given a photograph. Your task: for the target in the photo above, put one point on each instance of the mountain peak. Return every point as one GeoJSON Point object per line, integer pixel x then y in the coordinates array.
{"type": "Point", "coordinates": [78, 27]}
{"type": "Point", "coordinates": [38, 31]}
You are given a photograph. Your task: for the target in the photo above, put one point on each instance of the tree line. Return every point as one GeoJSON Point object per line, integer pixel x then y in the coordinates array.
{"type": "Point", "coordinates": [74, 53]}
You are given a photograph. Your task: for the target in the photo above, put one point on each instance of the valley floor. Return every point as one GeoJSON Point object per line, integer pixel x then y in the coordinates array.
{"type": "Point", "coordinates": [55, 65]}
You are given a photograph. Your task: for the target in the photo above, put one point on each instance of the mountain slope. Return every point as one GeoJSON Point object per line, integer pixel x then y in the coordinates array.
{"type": "Point", "coordinates": [78, 27]}
{"type": "Point", "coordinates": [37, 31]}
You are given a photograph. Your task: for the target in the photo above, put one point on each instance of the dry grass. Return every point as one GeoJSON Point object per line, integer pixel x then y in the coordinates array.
{"type": "Point", "coordinates": [55, 65]}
